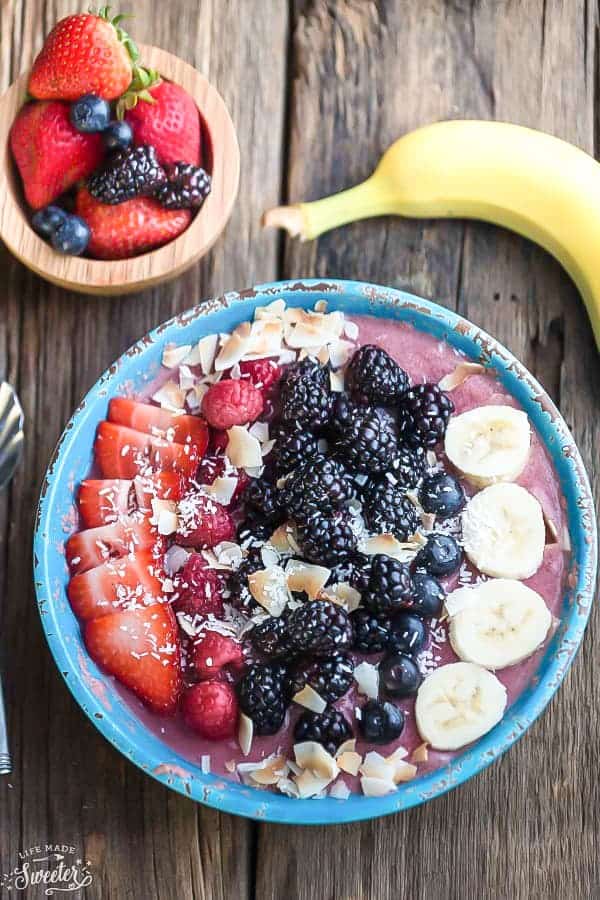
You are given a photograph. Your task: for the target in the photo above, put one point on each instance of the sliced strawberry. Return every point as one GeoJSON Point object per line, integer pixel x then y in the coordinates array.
{"type": "Point", "coordinates": [160, 422]}
{"type": "Point", "coordinates": [123, 453]}
{"type": "Point", "coordinates": [92, 547]}
{"type": "Point", "coordinates": [141, 649]}
{"type": "Point", "coordinates": [102, 501]}
{"type": "Point", "coordinates": [159, 486]}
{"type": "Point", "coordinates": [125, 583]}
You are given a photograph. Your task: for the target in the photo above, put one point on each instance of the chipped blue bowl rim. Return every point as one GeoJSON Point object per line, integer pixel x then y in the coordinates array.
{"type": "Point", "coordinates": [94, 691]}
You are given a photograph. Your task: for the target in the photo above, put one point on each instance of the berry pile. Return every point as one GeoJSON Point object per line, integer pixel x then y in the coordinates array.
{"type": "Point", "coordinates": [109, 139]}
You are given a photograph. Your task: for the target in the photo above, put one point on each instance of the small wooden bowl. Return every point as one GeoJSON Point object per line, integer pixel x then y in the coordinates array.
{"type": "Point", "coordinates": [124, 276]}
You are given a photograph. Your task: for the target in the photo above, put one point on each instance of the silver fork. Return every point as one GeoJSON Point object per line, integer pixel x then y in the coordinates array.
{"type": "Point", "coordinates": [11, 450]}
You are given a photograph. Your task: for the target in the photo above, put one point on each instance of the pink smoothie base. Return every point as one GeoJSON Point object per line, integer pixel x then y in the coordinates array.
{"type": "Point", "coordinates": [425, 359]}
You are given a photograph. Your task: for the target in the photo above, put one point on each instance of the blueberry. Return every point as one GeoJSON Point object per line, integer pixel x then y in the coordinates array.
{"type": "Point", "coordinates": [428, 596]}
{"type": "Point", "coordinates": [442, 494]}
{"type": "Point", "coordinates": [400, 675]}
{"type": "Point", "coordinates": [71, 237]}
{"type": "Point", "coordinates": [90, 113]}
{"type": "Point", "coordinates": [117, 135]}
{"type": "Point", "coordinates": [46, 220]}
{"type": "Point", "coordinates": [441, 555]}
{"type": "Point", "coordinates": [381, 723]}
{"type": "Point", "coordinates": [407, 634]}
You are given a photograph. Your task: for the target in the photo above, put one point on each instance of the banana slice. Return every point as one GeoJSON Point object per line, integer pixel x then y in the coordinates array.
{"type": "Point", "coordinates": [457, 704]}
{"type": "Point", "coordinates": [489, 444]}
{"type": "Point", "coordinates": [503, 531]}
{"type": "Point", "coordinates": [497, 623]}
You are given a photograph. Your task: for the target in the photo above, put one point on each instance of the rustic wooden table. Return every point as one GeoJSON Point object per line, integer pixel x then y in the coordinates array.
{"type": "Point", "coordinates": [317, 90]}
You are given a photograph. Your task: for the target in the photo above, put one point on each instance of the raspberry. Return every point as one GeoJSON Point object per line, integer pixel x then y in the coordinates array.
{"type": "Point", "coordinates": [213, 652]}
{"type": "Point", "coordinates": [212, 467]}
{"type": "Point", "coordinates": [211, 709]}
{"type": "Point", "coordinates": [203, 522]}
{"type": "Point", "coordinates": [232, 401]}
{"type": "Point", "coordinates": [218, 440]}
{"type": "Point", "coordinates": [198, 589]}
{"type": "Point", "coordinates": [261, 373]}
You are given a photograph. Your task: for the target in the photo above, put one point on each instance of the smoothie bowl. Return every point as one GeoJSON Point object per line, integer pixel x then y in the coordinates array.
{"type": "Point", "coordinates": [315, 552]}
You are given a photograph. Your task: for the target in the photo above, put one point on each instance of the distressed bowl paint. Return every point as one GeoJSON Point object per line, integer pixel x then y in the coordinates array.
{"type": "Point", "coordinates": [94, 691]}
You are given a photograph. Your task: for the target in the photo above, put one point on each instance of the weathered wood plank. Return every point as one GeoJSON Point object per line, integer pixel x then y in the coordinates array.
{"type": "Point", "coordinates": [364, 74]}
{"type": "Point", "coordinates": [69, 785]}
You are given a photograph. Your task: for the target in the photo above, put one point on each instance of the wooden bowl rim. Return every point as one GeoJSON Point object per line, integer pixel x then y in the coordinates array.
{"type": "Point", "coordinates": [135, 273]}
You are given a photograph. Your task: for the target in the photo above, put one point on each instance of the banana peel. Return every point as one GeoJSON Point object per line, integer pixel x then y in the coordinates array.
{"type": "Point", "coordinates": [525, 180]}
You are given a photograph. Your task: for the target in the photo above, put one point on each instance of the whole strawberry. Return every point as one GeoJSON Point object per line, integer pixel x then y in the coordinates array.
{"type": "Point", "coordinates": [129, 228]}
{"type": "Point", "coordinates": [50, 154]}
{"type": "Point", "coordinates": [84, 54]}
{"type": "Point", "coordinates": [170, 124]}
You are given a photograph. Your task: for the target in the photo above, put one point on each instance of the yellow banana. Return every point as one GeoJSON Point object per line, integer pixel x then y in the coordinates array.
{"type": "Point", "coordinates": [530, 182]}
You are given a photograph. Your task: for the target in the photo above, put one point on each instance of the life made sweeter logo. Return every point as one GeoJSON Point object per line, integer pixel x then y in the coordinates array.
{"type": "Point", "coordinates": [53, 868]}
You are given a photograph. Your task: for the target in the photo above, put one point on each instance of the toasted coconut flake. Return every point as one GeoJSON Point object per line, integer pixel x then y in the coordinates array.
{"type": "Point", "coordinates": [321, 306]}
{"type": "Point", "coordinates": [348, 746]}
{"type": "Point", "coordinates": [349, 762]}
{"type": "Point", "coordinates": [266, 338]}
{"type": "Point", "coordinates": [168, 522]}
{"type": "Point", "coordinates": [428, 521]}
{"type": "Point", "coordinates": [185, 623]}
{"type": "Point", "coordinates": [287, 356]}
{"type": "Point", "coordinates": [170, 396]}
{"type": "Point", "coordinates": [287, 787]}
{"type": "Point", "coordinates": [222, 489]}
{"type": "Point", "coordinates": [302, 576]}
{"type": "Point", "coordinates": [243, 449]}
{"type": "Point", "coordinates": [271, 773]}
{"type": "Point", "coordinates": [229, 554]}
{"type": "Point", "coordinates": [340, 352]}
{"type": "Point", "coordinates": [305, 329]}
{"type": "Point", "coordinates": [339, 790]}
{"type": "Point", "coordinates": [245, 733]}
{"type": "Point", "coordinates": [391, 546]}
{"type": "Point", "coordinates": [323, 355]}
{"type": "Point", "coordinates": [309, 785]}
{"type": "Point", "coordinates": [460, 374]}
{"type": "Point", "coordinates": [260, 430]}
{"type": "Point", "coordinates": [345, 595]}
{"type": "Point", "coordinates": [374, 765]}
{"type": "Point", "coordinates": [195, 396]}
{"type": "Point", "coordinates": [187, 379]}
{"type": "Point", "coordinates": [269, 588]}
{"type": "Point", "coordinates": [269, 557]}
{"type": "Point", "coordinates": [234, 348]}
{"type": "Point", "coordinates": [314, 757]}
{"type": "Point", "coordinates": [404, 772]}
{"type": "Point", "coordinates": [161, 506]}
{"type": "Point", "coordinates": [421, 753]}
{"type": "Point", "coordinates": [268, 446]}
{"type": "Point", "coordinates": [376, 787]}
{"type": "Point", "coordinates": [173, 355]}
{"type": "Point", "coordinates": [309, 698]}
{"type": "Point", "coordinates": [280, 538]}
{"type": "Point", "coordinates": [366, 676]}
{"type": "Point", "coordinates": [274, 310]}
{"type": "Point", "coordinates": [337, 382]}
{"type": "Point", "coordinates": [350, 330]}
{"type": "Point", "coordinates": [230, 765]}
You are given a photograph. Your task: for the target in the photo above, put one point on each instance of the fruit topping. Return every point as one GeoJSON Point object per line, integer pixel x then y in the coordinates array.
{"type": "Point", "coordinates": [319, 628]}
{"type": "Point", "coordinates": [371, 631]}
{"type": "Point", "coordinates": [328, 539]}
{"type": "Point", "coordinates": [265, 499]}
{"type": "Point", "coordinates": [45, 221]}
{"type": "Point", "coordinates": [71, 237]}
{"type": "Point", "coordinates": [390, 585]}
{"type": "Point", "coordinates": [408, 466]}
{"type": "Point", "coordinates": [387, 510]}
{"type": "Point", "coordinates": [232, 402]}
{"type": "Point", "coordinates": [442, 495]}
{"type": "Point", "coordinates": [123, 453]}
{"type": "Point", "coordinates": [128, 582]}
{"type": "Point", "coordinates": [213, 652]}
{"type": "Point", "coordinates": [117, 135]}
{"type": "Point", "coordinates": [407, 634]}
{"type": "Point", "coordinates": [367, 440]}
{"type": "Point", "coordinates": [381, 723]}
{"type": "Point", "coordinates": [319, 484]}
{"type": "Point", "coordinates": [262, 699]}
{"type": "Point", "coordinates": [262, 373]}
{"type": "Point", "coordinates": [198, 588]}
{"type": "Point", "coordinates": [237, 582]}
{"type": "Point", "coordinates": [400, 675]}
{"type": "Point", "coordinates": [330, 677]}
{"type": "Point", "coordinates": [93, 546]}
{"type": "Point", "coordinates": [102, 501]}
{"type": "Point", "coordinates": [424, 412]}
{"type": "Point", "coordinates": [292, 447]}
{"type": "Point", "coordinates": [186, 187]}
{"type": "Point", "coordinates": [89, 113]}
{"type": "Point", "coordinates": [134, 172]}
{"type": "Point", "coordinates": [210, 708]}
{"type": "Point", "coordinates": [440, 556]}
{"type": "Point", "coordinates": [140, 648]}
{"type": "Point", "coordinates": [182, 429]}
{"type": "Point", "coordinates": [427, 596]}
{"type": "Point", "coordinates": [489, 443]}
{"type": "Point", "coordinates": [203, 522]}
{"type": "Point", "coordinates": [304, 400]}
{"type": "Point", "coordinates": [329, 728]}
{"type": "Point", "coordinates": [270, 637]}
{"type": "Point", "coordinates": [170, 123]}
{"type": "Point", "coordinates": [374, 377]}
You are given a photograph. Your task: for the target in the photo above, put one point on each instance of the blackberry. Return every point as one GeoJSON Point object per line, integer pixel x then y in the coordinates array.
{"type": "Point", "coordinates": [371, 632]}
{"type": "Point", "coordinates": [254, 528]}
{"type": "Point", "coordinates": [261, 698]}
{"type": "Point", "coordinates": [424, 412]}
{"type": "Point", "coordinates": [354, 571]}
{"type": "Point", "coordinates": [187, 187]}
{"type": "Point", "coordinates": [329, 728]}
{"type": "Point", "coordinates": [306, 402]}
{"type": "Point", "coordinates": [317, 485]}
{"type": "Point", "coordinates": [134, 172]}
{"type": "Point", "coordinates": [374, 377]}
{"type": "Point", "coordinates": [319, 628]}
{"type": "Point", "coordinates": [327, 539]}
{"type": "Point", "coordinates": [292, 447]}
{"type": "Point", "coordinates": [265, 499]}
{"type": "Point", "coordinates": [390, 586]}
{"type": "Point", "coordinates": [270, 637]}
{"type": "Point", "coordinates": [307, 369]}
{"type": "Point", "coordinates": [387, 510]}
{"type": "Point", "coordinates": [408, 466]}
{"type": "Point", "coordinates": [237, 583]}
{"type": "Point", "coordinates": [367, 440]}
{"type": "Point", "coordinates": [443, 495]}
{"type": "Point", "coordinates": [331, 678]}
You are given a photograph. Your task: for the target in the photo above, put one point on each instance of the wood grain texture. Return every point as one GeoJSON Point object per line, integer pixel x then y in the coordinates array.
{"type": "Point", "coordinates": [104, 277]}
{"type": "Point", "coordinates": [358, 74]}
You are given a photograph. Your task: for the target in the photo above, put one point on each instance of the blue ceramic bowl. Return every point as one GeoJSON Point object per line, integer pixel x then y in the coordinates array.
{"type": "Point", "coordinates": [95, 692]}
